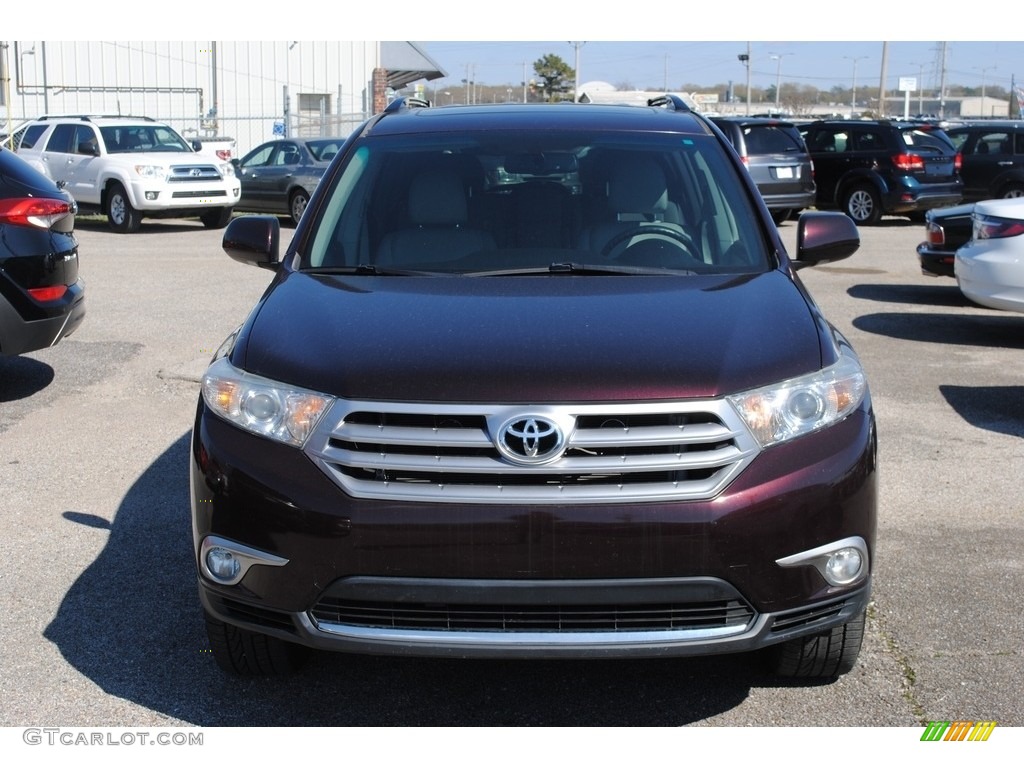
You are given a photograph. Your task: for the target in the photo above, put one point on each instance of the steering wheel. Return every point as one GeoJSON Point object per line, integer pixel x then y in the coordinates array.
{"type": "Point", "coordinates": [649, 233]}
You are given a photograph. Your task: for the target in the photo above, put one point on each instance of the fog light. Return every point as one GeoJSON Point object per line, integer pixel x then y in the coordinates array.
{"type": "Point", "coordinates": [227, 562]}
{"type": "Point", "coordinates": [840, 563]}
{"type": "Point", "coordinates": [844, 566]}
{"type": "Point", "coordinates": [222, 564]}
{"type": "Point", "coordinates": [152, 195]}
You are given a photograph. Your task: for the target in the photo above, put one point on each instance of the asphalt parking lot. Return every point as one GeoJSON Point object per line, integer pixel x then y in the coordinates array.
{"type": "Point", "coordinates": [101, 621]}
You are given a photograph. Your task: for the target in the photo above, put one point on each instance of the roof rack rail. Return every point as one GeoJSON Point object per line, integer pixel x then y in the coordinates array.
{"type": "Point", "coordinates": [403, 103]}
{"type": "Point", "coordinates": [669, 100]}
{"type": "Point", "coordinates": [90, 118]}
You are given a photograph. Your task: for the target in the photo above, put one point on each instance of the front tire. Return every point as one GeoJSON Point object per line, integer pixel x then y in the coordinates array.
{"type": "Point", "coordinates": [243, 653]}
{"type": "Point", "coordinates": [121, 215]}
{"type": "Point", "coordinates": [829, 654]}
{"type": "Point", "coordinates": [861, 203]}
{"type": "Point", "coordinates": [216, 219]}
{"type": "Point", "coordinates": [1013, 190]}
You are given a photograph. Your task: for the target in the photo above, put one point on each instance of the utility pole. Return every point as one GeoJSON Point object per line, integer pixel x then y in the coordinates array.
{"type": "Point", "coordinates": [576, 86]}
{"type": "Point", "coordinates": [942, 86]}
{"type": "Point", "coordinates": [881, 79]}
{"type": "Point", "coordinates": [853, 95]}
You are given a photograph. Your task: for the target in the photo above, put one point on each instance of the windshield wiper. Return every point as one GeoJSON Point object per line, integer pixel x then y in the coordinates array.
{"type": "Point", "coordinates": [369, 269]}
{"type": "Point", "coordinates": [576, 268]}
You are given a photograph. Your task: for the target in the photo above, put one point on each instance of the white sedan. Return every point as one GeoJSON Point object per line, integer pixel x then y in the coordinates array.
{"type": "Point", "coordinates": [990, 267]}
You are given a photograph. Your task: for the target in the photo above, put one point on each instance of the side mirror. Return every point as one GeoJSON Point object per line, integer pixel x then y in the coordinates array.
{"type": "Point", "coordinates": [89, 147]}
{"type": "Point", "coordinates": [254, 240]}
{"type": "Point", "coordinates": [823, 237]}
{"type": "Point", "coordinates": [197, 144]}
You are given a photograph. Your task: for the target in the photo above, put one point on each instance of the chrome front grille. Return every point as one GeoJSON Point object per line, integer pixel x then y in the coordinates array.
{"type": "Point", "coordinates": [685, 450]}
{"type": "Point", "coordinates": [180, 173]}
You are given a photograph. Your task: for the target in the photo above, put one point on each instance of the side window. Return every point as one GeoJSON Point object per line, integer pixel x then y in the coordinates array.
{"type": "Point", "coordinates": [61, 138]}
{"type": "Point", "coordinates": [1018, 143]}
{"type": "Point", "coordinates": [287, 154]}
{"type": "Point", "coordinates": [997, 143]}
{"type": "Point", "coordinates": [260, 157]}
{"type": "Point", "coordinates": [828, 140]}
{"type": "Point", "coordinates": [83, 133]}
{"type": "Point", "coordinates": [869, 141]}
{"type": "Point", "coordinates": [959, 139]}
{"type": "Point", "coordinates": [31, 136]}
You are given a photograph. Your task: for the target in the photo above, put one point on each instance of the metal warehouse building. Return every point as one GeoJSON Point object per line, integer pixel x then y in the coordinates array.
{"type": "Point", "coordinates": [252, 91]}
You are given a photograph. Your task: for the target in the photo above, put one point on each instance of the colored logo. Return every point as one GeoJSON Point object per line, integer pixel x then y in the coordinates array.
{"type": "Point", "coordinates": [958, 730]}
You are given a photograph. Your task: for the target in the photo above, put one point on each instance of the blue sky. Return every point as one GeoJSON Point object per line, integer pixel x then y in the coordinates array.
{"type": "Point", "coordinates": [657, 63]}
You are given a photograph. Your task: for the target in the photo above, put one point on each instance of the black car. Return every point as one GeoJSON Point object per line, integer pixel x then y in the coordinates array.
{"type": "Point", "coordinates": [535, 381]}
{"type": "Point", "coordinates": [777, 158]}
{"type": "Point", "coordinates": [868, 168]}
{"type": "Point", "coordinates": [280, 176]}
{"type": "Point", "coordinates": [42, 299]}
{"type": "Point", "coordinates": [946, 229]}
{"type": "Point", "coordinates": [993, 158]}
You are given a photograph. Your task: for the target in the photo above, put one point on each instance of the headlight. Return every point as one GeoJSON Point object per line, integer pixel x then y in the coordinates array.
{"type": "Point", "coordinates": [261, 406]}
{"type": "Point", "coordinates": [798, 406]}
{"type": "Point", "coordinates": [227, 169]}
{"type": "Point", "coordinates": [158, 172]}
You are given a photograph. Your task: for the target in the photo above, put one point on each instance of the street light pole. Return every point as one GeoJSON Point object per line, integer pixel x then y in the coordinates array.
{"type": "Point", "coordinates": [853, 95]}
{"type": "Point", "coordinates": [745, 59]}
{"type": "Point", "coordinates": [778, 79]}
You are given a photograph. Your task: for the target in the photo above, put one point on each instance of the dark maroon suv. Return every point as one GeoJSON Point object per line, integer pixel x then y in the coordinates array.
{"type": "Point", "coordinates": [535, 381]}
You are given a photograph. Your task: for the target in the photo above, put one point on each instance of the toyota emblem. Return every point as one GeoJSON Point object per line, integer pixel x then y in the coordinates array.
{"type": "Point", "coordinates": [530, 440]}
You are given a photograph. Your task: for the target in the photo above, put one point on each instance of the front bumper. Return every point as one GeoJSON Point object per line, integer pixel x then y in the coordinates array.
{"type": "Point", "coordinates": [660, 578]}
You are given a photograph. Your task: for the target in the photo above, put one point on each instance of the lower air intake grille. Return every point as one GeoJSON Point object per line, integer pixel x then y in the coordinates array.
{"type": "Point", "coordinates": [518, 618]}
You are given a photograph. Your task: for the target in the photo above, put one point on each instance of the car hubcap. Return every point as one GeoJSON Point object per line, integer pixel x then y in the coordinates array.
{"type": "Point", "coordinates": [117, 209]}
{"type": "Point", "coordinates": [1015, 192]}
{"type": "Point", "coordinates": [860, 205]}
{"type": "Point", "coordinates": [298, 206]}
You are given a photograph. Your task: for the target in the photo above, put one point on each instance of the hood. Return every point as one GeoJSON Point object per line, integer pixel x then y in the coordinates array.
{"type": "Point", "coordinates": [531, 339]}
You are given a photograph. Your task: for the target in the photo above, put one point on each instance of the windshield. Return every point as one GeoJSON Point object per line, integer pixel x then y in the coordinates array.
{"type": "Point", "coordinates": [142, 138]}
{"type": "Point", "coordinates": [507, 202]}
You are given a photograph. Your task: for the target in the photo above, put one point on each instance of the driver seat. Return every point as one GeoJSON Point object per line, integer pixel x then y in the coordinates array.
{"type": "Point", "coordinates": [637, 198]}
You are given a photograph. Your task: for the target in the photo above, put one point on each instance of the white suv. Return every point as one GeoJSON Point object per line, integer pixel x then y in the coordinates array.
{"type": "Point", "coordinates": [129, 168]}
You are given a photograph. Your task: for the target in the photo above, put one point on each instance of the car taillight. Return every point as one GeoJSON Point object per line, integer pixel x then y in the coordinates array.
{"type": "Point", "coordinates": [224, 154]}
{"type": "Point", "coordinates": [958, 162]}
{"type": "Point", "coordinates": [745, 160]}
{"type": "Point", "coordinates": [936, 235]}
{"type": "Point", "coordinates": [39, 212]}
{"type": "Point", "coordinates": [907, 162]}
{"type": "Point", "coordinates": [992, 227]}
{"type": "Point", "coordinates": [48, 293]}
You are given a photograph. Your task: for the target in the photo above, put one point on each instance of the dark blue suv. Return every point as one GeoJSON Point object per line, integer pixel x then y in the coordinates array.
{"type": "Point", "coordinates": [867, 168]}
